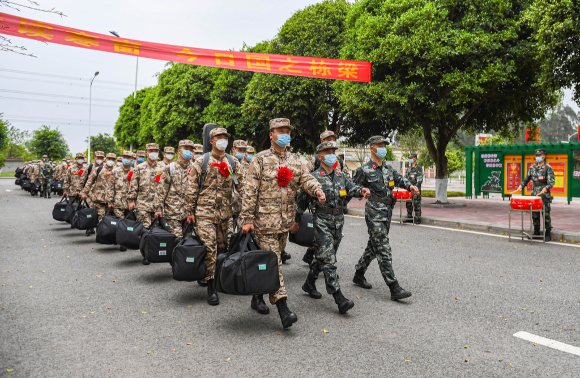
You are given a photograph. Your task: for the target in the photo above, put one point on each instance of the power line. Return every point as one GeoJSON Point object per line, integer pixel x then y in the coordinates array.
{"type": "Point", "coordinates": [58, 95]}
{"type": "Point", "coordinates": [51, 118]}
{"type": "Point", "coordinates": [55, 102]}
{"type": "Point", "coordinates": [61, 123]}
{"type": "Point", "coordinates": [80, 122]}
{"type": "Point", "coordinates": [61, 77]}
{"type": "Point", "coordinates": [69, 84]}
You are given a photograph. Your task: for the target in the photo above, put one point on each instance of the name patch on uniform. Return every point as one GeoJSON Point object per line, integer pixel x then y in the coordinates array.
{"type": "Point", "coordinates": [163, 244]}
{"type": "Point", "coordinates": [412, 176]}
{"type": "Point", "coordinates": [190, 259]}
{"type": "Point", "coordinates": [391, 183]}
{"type": "Point", "coordinates": [262, 267]}
{"type": "Point", "coordinates": [540, 177]}
{"type": "Point", "coordinates": [129, 228]}
{"type": "Point", "coordinates": [342, 192]}
{"type": "Point", "coordinates": [162, 253]}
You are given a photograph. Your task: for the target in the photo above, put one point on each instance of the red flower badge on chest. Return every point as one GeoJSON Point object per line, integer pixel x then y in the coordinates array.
{"type": "Point", "coordinates": [130, 175]}
{"type": "Point", "coordinates": [81, 172]}
{"type": "Point", "coordinates": [158, 177]}
{"type": "Point", "coordinates": [223, 168]}
{"type": "Point", "coordinates": [284, 176]}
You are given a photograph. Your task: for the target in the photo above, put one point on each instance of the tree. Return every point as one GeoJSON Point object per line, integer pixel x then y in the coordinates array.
{"type": "Point", "coordinates": [103, 142]}
{"type": "Point", "coordinates": [455, 160]}
{"type": "Point", "coordinates": [4, 130]}
{"type": "Point", "coordinates": [560, 124]}
{"type": "Point", "coordinates": [443, 67]}
{"type": "Point", "coordinates": [127, 126]}
{"type": "Point", "coordinates": [46, 141]}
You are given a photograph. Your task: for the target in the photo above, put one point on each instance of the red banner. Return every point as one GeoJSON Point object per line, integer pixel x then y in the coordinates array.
{"type": "Point", "coordinates": [320, 68]}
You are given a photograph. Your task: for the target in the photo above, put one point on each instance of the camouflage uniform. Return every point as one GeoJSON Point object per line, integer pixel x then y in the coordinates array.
{"type": "Point", "coordinates": [170, 197]}
{"type": "Point", "coordinates": [118, 190]}
{"type": "Point", "coordinates": [98, 184]}
{"type": "Point", "coordinates": [237, 199]}
{"type": "Point", "coordinates": [415, 176]}
{"type": "Point", "coordinates": [143, 188]}
{"type": "Point", "coordinates": [543, 177]}
{"type": "Point", "coordinates": [245, 162]}
{"type": "Point", "coordinates": [85, 175]}
{"type": "Point", "coordinates": [197, 151]}
{"type": "Point", "coordinates": [380, 180]}
{"type": "Point", "coordinates": [46, 177]}
{"type": "Point", "coordinates": [313, 164]}
{"type": "Point", "coordinates": [339, 189]}
{"type": "Point", "coordinates": [212, 206]}
{"type": "Point", "coordinates": [269, 207]}
{"type": "Point", "coordinates": [72, 179]}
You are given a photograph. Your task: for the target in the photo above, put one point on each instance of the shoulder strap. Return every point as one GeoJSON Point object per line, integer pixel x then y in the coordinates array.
{"type": "Point", "coordinates": [99, 170]}
{"type": "Point", "coordinates": [233, 165]}
{"type": "Point", "coordinates": [203, 171]}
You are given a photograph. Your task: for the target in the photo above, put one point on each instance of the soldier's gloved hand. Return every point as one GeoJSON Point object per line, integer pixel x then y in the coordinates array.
{"type": "Point", "coordinates": [191, 219]}
{"type": "Point", "coordinates": [131, 205]}
{"type": "Point", "coordinates": [321, 196]}
{"type": "Point", "coordinates": [294, 228]}
{"type": "Point", "coordinates": [83, 197]}
{"type": "Point", "coordinates": [247, 228]}
{"type": "Point", "coordinates": [365, 192]}
{"type": "Point", "coordinates": [158, 214]}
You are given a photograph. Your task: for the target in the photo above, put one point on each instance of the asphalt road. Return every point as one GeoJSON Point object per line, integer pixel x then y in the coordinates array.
{"type": "Point", "coordinates": [471, 293]}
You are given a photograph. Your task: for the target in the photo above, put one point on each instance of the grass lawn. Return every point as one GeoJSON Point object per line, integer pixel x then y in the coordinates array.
{"type": "Point", "coordinates": [7, 174]}
{"type": "Point", "coordinates": [431, 194]}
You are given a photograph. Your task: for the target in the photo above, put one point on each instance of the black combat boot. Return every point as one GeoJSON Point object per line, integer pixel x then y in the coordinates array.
{"type": "Point", "coordinates": [48, 194]}
{"type": "Point", "coordinates": [308, 256]}
{"type": "Point", "coordinates": [122, 249]}
{"type": "Point", "coordinates": [90, 231]}
{"type": "Point", "coordinates": [285, 256]}
{"type": "Point", "coordinates": [536, 230]}
{"type": "Point", "coordinates": [548, 234]}
{"type": "Point", "coordinates": [259, 305]}
{"type": "Point", "coordinates": [44, 194]}
{"type": "Point", "coordinates": [212, 296]}
{"type": "Point", "coordinates": [310, 287]}
{"type": "Point", "coordinates": [409, 218]}
{"type": "Point", "coordinates": [360, 280]}
{"type": "Point", "coordinates": [397, 292]}
{"type": "Point", "coordinates": [418, 221]}
{"type": "Point", "coordinates": [286, 316]}
{"type": "Point", "coordinates": [343, 304]}
{"type": "Point", "coordinates": [201, 283]}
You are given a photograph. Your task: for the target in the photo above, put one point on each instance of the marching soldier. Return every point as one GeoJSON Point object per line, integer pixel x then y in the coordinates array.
{"type": "Point", "coordinates": [98, 162]}
{"type": "Point", "coordinates": [380, 179]}
{"type": "Point", "coordinates": [328, 222]}
{"type": "Point", "coordinates": [140, 158]}
{"type": "Point", "coordinates": [143, 186]}
{"type": "Point", "coordinates": [34, 174]}
{"type": "Point", "coordinates": [248, 158]}
{"type": "Point", "coordinates": [120, 161]}
{"type": "Point", "coordinates": [170, 197]}
{"type": "Point", "coordinates": [208, 201]}
{"type": "Point", "coordinates": [542, 176]}
{"type": "Point", "coordinates": [415, 176]}
{"type": "Point", "coordinates": [46, 176]}
{"type": "Point", "coordinates": [197, 151]}
{"type": "Point", "coordinates": [98, 183]}
{"type": "Point", "coordinates": [118, 189]}
{"type": "Point", "coordinates": [168, 154]}
{"type": "Point", "coordinates": [72, 176]}
{"type": "Point", "coordinates": [268, 205]}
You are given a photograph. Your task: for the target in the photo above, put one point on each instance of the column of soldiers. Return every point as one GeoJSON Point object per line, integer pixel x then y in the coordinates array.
{"type": "Point", "coordinates": [219, 193]}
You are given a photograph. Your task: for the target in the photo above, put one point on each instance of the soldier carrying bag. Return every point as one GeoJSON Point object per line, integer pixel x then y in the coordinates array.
{"type": "Point", "coordinates": [59, 211]}
{"type": "Point", "coordinates": [189, 258]}
{"type": "Point", "coordinates": [247, 270]}
{"type": "Point", "coordinates": [71, 208]}
{"type": "Point", "coordinates": [157, 243]}
{"type": "Point", "coordinates": [129, 231]}
{"type": "Point", "coordinates": [85, 217]}
{"type": "Point", "coordinates": [107, 228]}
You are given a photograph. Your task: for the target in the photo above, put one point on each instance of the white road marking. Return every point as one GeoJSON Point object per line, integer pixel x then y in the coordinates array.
{"type": "Point", "coordinates": [549, 343]}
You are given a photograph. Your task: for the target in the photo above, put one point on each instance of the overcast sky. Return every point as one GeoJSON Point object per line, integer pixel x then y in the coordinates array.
{"type": "Point", "coordinates": [53, 88]}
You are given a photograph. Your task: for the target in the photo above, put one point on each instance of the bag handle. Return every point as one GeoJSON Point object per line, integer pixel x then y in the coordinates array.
{"type": "Point", "coordinates": [63, 199]}
{"type": "Point", "coordinates": [163, 223]}
{"type": "Point", "coordinates": [234, 243]}
{"type": "Point", "coordinates": [110, 211]}
{"type": "Point", "coordinates": [132, 214]}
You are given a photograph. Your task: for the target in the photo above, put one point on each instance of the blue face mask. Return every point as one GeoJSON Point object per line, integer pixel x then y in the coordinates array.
{"type": "Point", "coordinates": [539, 159]}
{"type": "Point", "coordinates": [186, 154]}
{"type": "Point", "coordinates": [239, 155]}
{"type": "Point", "coordinates": [381, 152]}
{"type": "Point", "coordinates": [141, 159]}
{"type": "Point", "coordinates": [330, 160]}
{"type": "Point", "coordinates": [283, 140]}
{"type": "Point", "coordinates": [411, 161]}
{"type": "Point", "coordinates": [126, 161]}
{"type": "Point", "coordinates": [249, 157]}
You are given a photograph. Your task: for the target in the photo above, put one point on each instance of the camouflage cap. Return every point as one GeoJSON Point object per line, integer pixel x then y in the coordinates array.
{"type": "Point", "coordinates": [111, 155]}
{"type": "Point", "coordinates": [331, 145]}
{"type": "Point", "coordinates": [133, 155]}
{"type": "Point", "coordinates": [327, 134]}
{"type": "Point", "coordinates": [280, 122]}
{"type": "Point", "coordinates": [218, 131]}
{"type": "Point", "coordinates": [240, 144]}
{"type": "Point", "coordinates": [119, 158]}
{"type": "Point", "coordinates": [44, 156]}
{"type": "Point", "coordinates": [197, 148]}
{"type": "Point", "coordinates": [152, 146]}
{"type": "Point", "coordinates": [540, 151]}
{"type": "Point", "coordinates": [141, 153]}
{"type": "Point", "coordinates": [250, 149]}
{"type": "Point", "coordinates": [99, 153]}
{"type": "Point", "coordinates": [169, 150]}
{"type": "Point", "coordinates": [377, 139]}
{"type": "Point", "coordinates": [80, 155]}
{"type": "Point", "coordinates": [186, 143]}
{"type": "Point", "coordinates": [413, 155]}
{"type": "Point", "coordinates": [127, 153]}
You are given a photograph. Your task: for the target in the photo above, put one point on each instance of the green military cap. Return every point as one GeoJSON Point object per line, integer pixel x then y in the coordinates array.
{"type": "Point", "coordinates": [377, 139]}
{"type": "Point", "coordinates": [331, 145]}
{"type": "Point", "coordinates": [540, 151]}
{"type": "Point", "coordinates": [413, 155]}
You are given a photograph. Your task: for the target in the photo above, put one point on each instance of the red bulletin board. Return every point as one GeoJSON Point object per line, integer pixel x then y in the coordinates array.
{"type": "Point", "coordinates": [512, 172]}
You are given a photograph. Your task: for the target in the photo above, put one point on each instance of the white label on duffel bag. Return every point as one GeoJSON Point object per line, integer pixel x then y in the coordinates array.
{"type": "Point", "coordinates": [129, 228]}
{"type": "Point", "coordinates": [190, 259]}
{"type": "Point", "coordinates": [310, 225]}
{"type": "Point", "coordinates": [62, 209]}
{"type": "Point", "coordinates": [113, 222]}
{"type": "Point", "coordinates": [162, 253]}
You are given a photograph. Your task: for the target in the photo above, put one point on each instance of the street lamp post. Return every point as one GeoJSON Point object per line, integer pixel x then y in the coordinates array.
{"type": "Point", "coordinates": [90, 108]}
{"type": "Point", "coordinates": [136, 73]}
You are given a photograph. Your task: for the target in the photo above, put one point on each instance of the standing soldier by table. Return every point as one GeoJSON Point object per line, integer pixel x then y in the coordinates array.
{"type": "Point", "coordinates": [143, 186]}
{"type": "Point", "coordinates": [168, 154]}
{"type": "Point", "coordinates": [380, 179]}
{"type": "Point", "coordinates": [170, 197]}
{"type": "Point", "coordinates": [268, 205]}
{"type": "Point", "coordinates": [328, 223]}
{"type": "Point", "coordinates": [208, 201]}
{"type": "Point", "coordinates": [415, 176]}
{"type": "Point", "coordinates": [542, 175]}
{"type": "Point", "coordinates": [46, 176]}
{"type": "Point", "coordinates": [118, 189]}
{"type": "Point", "coordinates": [98, 183]}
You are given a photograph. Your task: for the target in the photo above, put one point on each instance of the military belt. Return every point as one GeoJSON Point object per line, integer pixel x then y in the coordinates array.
{"type": "Point", "coordinates": [386, 201]}
{"type": "Point", "coordinates": [335, 211]}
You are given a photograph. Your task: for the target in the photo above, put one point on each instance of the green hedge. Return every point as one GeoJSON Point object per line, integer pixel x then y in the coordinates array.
{"type": "Point", "coordinates": [431, 194]}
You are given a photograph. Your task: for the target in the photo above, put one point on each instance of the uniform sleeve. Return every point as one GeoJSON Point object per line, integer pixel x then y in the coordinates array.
{"type": "Point", "coordinates": [81, 181]}
{"type": "Point", "coordinates": [134, 187]}
{"type": "Point", "coordinates": [352, 189]}
{"type": "Point", "coordinates": [65, 181]}
{"type": "Point", "coordinates": [359, 177]}
{"type": "Point", "coordinates": [308, 183]}
{"type": "Point", "coordinates": [420, 175]}
{"type": "Point", "coordinates": [191, 193]}
{"type": "Point", "coordinates": [90, 182]}
{"type": "Point", "coordinates": [241, 176]}
{"type": "Point", "coordinates": [250, 191]}
{"type": "Point", "coordinates": [551, 178]}
{"type": "Point", "coordinates": [162, 188]}
{"type": "Point", "coordinates": [401, 181]}
{"type": "Point", "coordinates": [310, 165]}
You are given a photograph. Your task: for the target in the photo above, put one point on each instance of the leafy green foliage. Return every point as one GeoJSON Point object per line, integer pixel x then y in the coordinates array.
{"type": "Point", "coordinates": [46, 141]}
{"type": "Point", "coordinates": [455, 160]}
{"type": "Point", "coordinates": [559, 125]}
{"type": "Point", "coordinates": [105, 143]}
{"type": "Point", "coordinates": [4, 127]}
{"type": "Point", "coordinates": [127, 127]}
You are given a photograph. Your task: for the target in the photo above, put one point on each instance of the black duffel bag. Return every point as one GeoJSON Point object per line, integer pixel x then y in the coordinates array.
{"type": "Point", "coordinates": [56, 186]}
{"type": "Point", "coordinates": [305, 234]}
{"type": "Point", "coordinates": [157, 243]}
{"type": "Point", "coordinates": [25, 184]}
{"type": "Point", "coordinates": [246, 269]}
{"type": "Point", "coordinates": [71, 209]}
{"type": "Point", "coordinates": [17, 182]}
{"type": "Point", "coordinates": [59, 210]}
{"type": "Point", "coordinates": [107, 228]}
{"type": "Point", "coordinates": [189, 258]}
{"type": "Point", "coordinates": [129, 231]}
{"type": "Point", "coordinates": [85, 217]}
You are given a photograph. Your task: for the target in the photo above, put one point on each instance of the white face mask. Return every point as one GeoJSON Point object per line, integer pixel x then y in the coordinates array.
{"type": "Point", "coordinates": [110, 163]}
{"type": "Point", "coordinates": [80, 161]}
{"type": "Point", "coordinates": [221, 144]}
{"type": "Point", "coordinates": [169, 156]}
{"type": "Point", "coordinates": [153, 155]}
{"type": "Point", "coordinates": [119, 164]}
{"type": "Point", "coordinates": [99, 162]}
